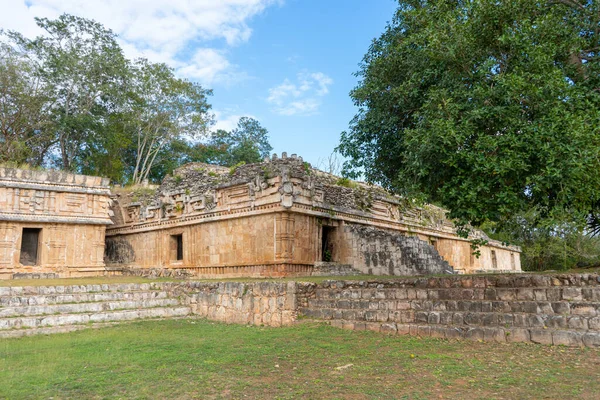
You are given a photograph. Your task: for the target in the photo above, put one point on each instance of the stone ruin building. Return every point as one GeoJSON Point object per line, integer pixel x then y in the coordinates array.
{"type": "Point", "coordinates": [280, 217]}
{"type": "Point", "coordinates": [52, 223]}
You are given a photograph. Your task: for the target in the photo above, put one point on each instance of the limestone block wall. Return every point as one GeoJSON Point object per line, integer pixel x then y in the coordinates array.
{"type": "Point", "coordinates": [267, 244]}
{"type": "Point", "coordinates": [546, 309]}
{"type": "Point", "coordinates": [63, 249]}
{"type": "Point", "coordinates": [238, 241]}
{"type": "Point", "coordinates": [53, 196]}
{"type": "Point", "coordinates": [376, 251]}
{"type": "Point", "coordinates": [258, 303]}
{"type": "Point", "coordinates": [52, 222]}
{"type": "Point", "coordinates": [492, 258]}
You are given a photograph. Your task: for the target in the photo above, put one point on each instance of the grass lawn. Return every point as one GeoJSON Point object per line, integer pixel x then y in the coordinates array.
{"type": "Point", "coordinates": [98, 280]}
{"type": "Point", "coordinates": [187, 359]}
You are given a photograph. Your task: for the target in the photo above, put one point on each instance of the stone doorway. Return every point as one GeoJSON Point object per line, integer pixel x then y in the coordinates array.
{"type": "Point", "coordinates": [29, 246]}
{"type": "Point", "coordinates": [328, 243]}
{"type": "Point", "coordinates": [176, 247]}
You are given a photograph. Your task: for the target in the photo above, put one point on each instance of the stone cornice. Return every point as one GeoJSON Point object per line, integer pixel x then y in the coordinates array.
{"type": "Point", "coordinates": [38, 218]}
{"type": "Point", "coordinates": [336, 213]}
{"type": "Point", "coordinates": [50, 177]}
{"type": "Point", "coordinates": [54, 187]}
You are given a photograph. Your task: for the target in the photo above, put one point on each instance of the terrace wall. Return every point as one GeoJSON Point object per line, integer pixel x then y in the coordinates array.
{"type": "Point", "coordinates": [561, 309]}
{"type": "Point", "coordinates": [546, 309]}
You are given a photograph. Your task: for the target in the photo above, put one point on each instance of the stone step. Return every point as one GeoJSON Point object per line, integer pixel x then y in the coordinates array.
{"type": "Point", "coordinates": [7, 291]}
{"type": "Point", "coordinates": [76, 308]}
{"type": "Point", "coordinates": [31, 300]}
{"type": "Point", "coordinates": [86, 318]}
{"type": "Point", "coordinates": [576, 338]}
{"type": "Point", "coordinates": [14, 333]}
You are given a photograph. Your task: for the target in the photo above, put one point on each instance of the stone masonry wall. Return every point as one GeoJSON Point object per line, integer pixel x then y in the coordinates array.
{"type": "Point", "coordinates": [560, 309]}
{"type": "Point", "coordinates": [376, 251]}
{"type": "Point", "coordinates": [258, 303]}
{"type": "Point", "coordinates": [546, 309]}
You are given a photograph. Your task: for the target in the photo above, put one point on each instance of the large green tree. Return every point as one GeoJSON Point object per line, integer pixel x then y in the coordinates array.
{"type": "Point", "coordinates": [163, 109]}
{"type": "Point", "coordinates": [83, 71]}
{"type": "Point", "coordinates": [70, 99]}
{"type": "Point", "coordinates": [23, 111]}
{"type": "Point", "coordinates": [248, 143]}
{"type": "Point", "coordinates": [490, 108]}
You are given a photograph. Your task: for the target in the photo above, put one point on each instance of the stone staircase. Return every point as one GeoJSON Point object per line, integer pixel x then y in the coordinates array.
{"type": "Point", "coordinates": [48, 309]}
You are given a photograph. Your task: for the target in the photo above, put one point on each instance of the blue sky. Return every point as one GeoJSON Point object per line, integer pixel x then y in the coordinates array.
{"type": "Point", "coordinates": [287, 63]}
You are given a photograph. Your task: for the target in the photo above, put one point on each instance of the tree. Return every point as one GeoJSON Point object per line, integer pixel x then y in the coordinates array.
{"type": "Point", "coordinates": [83, 71]}
{"type": "Point", "coordinates": [96, 111]}
{"type": "Point", "coordinates": [163, 109]}
{"type": "Point", "coordinates": [23, 110]}
{"type": "Point", "coordinates": [489, 108]}
{"type": "Point", "coordinates": [247, 143]}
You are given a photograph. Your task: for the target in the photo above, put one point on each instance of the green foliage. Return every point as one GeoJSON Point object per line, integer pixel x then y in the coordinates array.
{"type": "Point", "coordinates": [307, 168]}
{"type": "Point", "coordinates": [81, 71]}
{"type": "Point", "coordinates": [162, 109]}
{"type": "Point", "coordinates": [71, 99]}
{"type": "Point", "coordinates": [558, 246]}
{"type": "Point", "coordinates": [489, 108]}
{"type": "Point", "coordinates": [28, 167]}
{"type": "Point", "coordinates": [476, 245]}
{"type": "Point", "coordinates": [23, 107]}
{"type": "Point", "coordinates": [247, 143]}
{"type": "Point", "coordinates": [346, 182]}
{"type": "Point", "coordinates": [235, 167]}
{"type": "Point", "coordinates": [268, 172]}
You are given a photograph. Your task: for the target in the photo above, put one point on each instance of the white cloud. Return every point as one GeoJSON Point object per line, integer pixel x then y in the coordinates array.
{"type": "Point", "coordinates": [323, 81]}
{"type": "Point", "coordinates": [227, 120]}
{"type": "Point", "coordinates": [210, 65]}
{"type": "Point", "coordinates": [160, 30]}
{"type": "Point", "coordinates": [302, 97]}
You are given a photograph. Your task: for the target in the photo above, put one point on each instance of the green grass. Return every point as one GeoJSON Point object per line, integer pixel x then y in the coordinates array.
{"type": "Point", "coordinates": [316, 279]}
{"type": "Point", "coordinates": [185, 359]}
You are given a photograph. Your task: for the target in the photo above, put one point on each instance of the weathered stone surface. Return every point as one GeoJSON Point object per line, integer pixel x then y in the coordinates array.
{"type": "Point", "coordinates": [567, 338]}
{"type": "Point", "coordinates": [541, 336]}
{"type": "Point", "coordinates": [572, 294]}
{"type": "Point", "coordinates": [591, 339]}
{"type": "Point", "coordinates": [517, 335]}
{"type": "Point", "coordinates": [283, 217]}
{"type": "Point", "coordinates": [474, 334]}
{"type": "Point", "coordinates": [52, 224]}
{"type": "Point", "coordinates": [450, 315]}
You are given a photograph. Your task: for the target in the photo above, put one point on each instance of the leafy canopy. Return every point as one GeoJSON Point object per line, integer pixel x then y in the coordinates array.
{"type": "Point", "coordinates": [247, 143]}
{"type": "Point", "coordinates": [487, 107]}
{"type": "Point", "coordinates": [69, 98]}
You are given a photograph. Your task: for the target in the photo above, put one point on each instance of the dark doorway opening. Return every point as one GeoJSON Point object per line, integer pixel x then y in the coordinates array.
{"type": "Point", "coordinates": [177, 247]}
{"type": "Point", "coordinates": [29, 246]}
{"type": "Point", "coordinates": [327, 240]}
{"type": "Point", "coordinates": [494, 260]}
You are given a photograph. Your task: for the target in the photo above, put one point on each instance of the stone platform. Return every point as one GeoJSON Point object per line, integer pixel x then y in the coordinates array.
{"type": "Point", "coordinates": [557, 309]}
